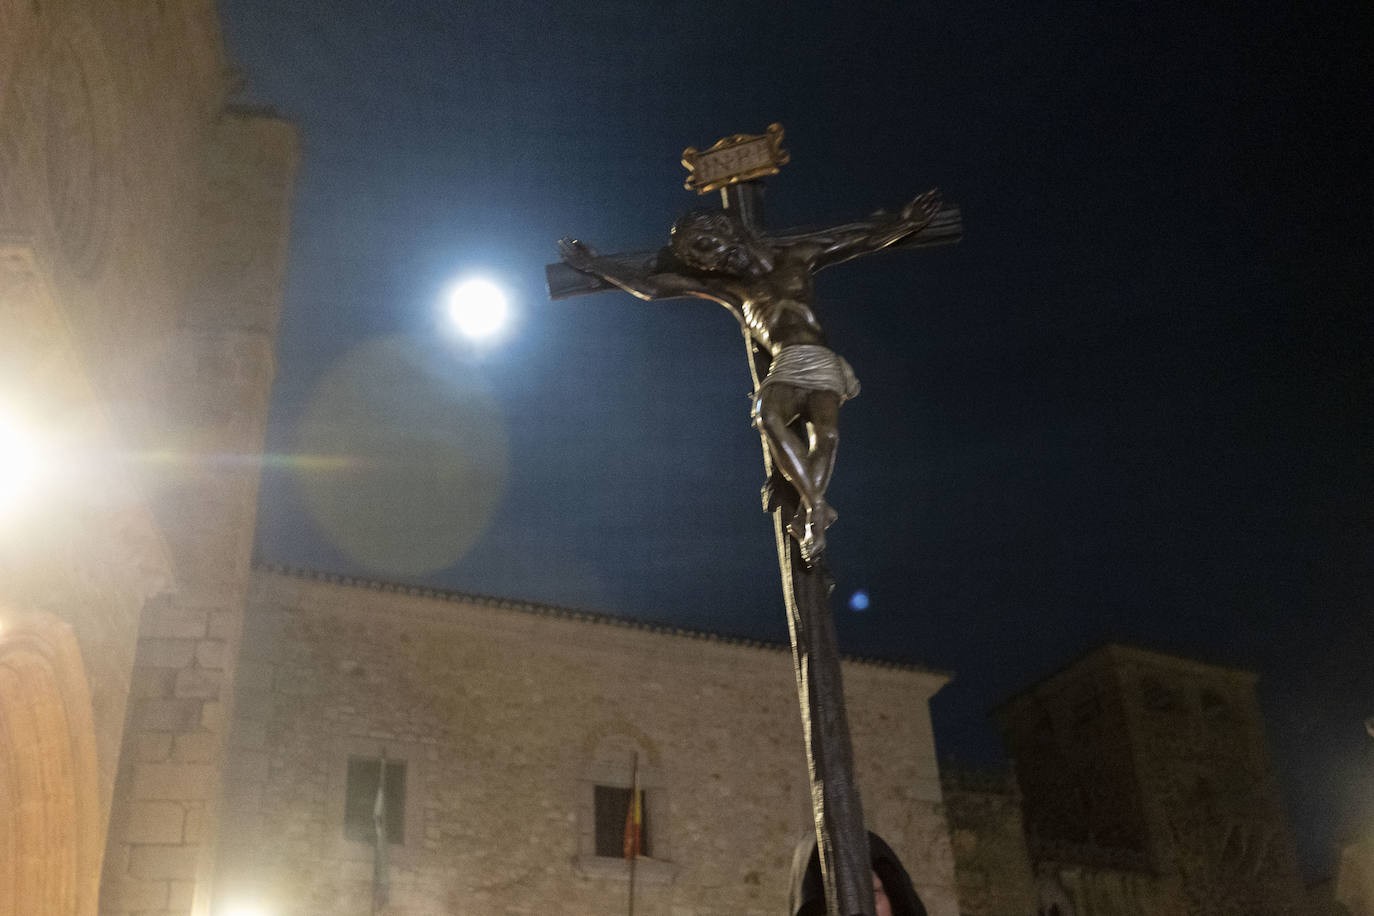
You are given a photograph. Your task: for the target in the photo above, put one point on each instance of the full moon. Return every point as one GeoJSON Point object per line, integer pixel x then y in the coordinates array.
{"type": "Point", "coordinates": [478, 308]}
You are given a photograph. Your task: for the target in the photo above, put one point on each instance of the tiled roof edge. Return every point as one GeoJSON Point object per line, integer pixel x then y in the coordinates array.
{"type": "Point", "coordinates": [565, 613]}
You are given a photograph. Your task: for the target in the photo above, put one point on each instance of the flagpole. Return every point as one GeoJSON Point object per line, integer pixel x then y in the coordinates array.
{"type": "Point", "coordinates": [381, 854]}
{"type": "Point", "coordinates": [634, 829]}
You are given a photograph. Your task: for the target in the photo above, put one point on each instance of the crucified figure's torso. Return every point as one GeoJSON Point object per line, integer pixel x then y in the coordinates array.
{"type": "Point", "coordinates": [768, 285]}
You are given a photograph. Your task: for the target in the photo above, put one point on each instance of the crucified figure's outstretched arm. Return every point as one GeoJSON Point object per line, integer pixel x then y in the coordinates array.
{"type": "Point", "coordinates": [826, 247]}
{"type": "Point", "coordinates": [643, 284]}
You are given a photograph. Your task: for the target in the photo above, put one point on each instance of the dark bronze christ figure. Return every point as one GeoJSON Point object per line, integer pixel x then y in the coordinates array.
{"type": "Point", "coordinates": [765, 280]}
{"type": "Point", "coordinates": [767, 284]}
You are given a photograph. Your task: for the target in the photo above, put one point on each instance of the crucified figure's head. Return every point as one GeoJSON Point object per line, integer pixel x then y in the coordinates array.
{"type": "Point", "coordinates": [712, 240]}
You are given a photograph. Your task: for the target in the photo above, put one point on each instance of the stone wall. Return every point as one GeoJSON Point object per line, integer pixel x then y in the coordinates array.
{"type": "Point", "coordinates": [142, 241]}
{"type": "Point", "coordinates": [990, 859]}
{"type": "Point", "coordinates": [506, 717]}
{"type": "Point", "coordinates": [219, 368]}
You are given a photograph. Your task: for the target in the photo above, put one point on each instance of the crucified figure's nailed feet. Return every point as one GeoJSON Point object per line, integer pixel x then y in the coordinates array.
{"type": "Point", "coordinates": [808, 528]}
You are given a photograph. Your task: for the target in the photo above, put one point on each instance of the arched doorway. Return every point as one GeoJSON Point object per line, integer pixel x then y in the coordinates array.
{"type": "Point", "coordinates": [49, 818]}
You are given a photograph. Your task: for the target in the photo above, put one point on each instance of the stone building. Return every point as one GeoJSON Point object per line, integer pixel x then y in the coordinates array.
{"type": "Point", "coordinates": [143, 222]}
{"type": "Point", "coordinates": [513, 725]}
{"type": "Point", "coordinates": [993, 869]}
{"type": "Point", "coordinates": [1147, 789]}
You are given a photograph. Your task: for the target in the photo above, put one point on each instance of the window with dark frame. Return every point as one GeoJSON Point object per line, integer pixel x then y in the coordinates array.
{"type": "Point", "coordinates": [612, 807]}
{"type": "Point", "coordinates": [361, 795]}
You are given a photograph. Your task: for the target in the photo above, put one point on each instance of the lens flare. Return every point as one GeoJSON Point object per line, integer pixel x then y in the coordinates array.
{"type": "Point", "coordinates": [417, 457]}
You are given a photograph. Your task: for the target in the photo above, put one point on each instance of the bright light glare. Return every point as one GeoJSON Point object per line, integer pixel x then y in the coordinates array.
{"type": "Point", "coordinates": [242, 910]}
{"type": "Point", "coordinates": [18, 462]}
{"type": "Point", "coordinates": [478, 308]}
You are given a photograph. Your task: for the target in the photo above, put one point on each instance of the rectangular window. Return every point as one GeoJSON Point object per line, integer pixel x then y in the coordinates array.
{"type": "Point", "coordinates": [612, 807]}
{"type": "Point", "coordinates": [361, 797]}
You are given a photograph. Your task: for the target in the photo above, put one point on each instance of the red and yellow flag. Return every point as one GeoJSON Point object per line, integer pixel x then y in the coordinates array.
{"type": "Point", "coordinates": [634, 818]}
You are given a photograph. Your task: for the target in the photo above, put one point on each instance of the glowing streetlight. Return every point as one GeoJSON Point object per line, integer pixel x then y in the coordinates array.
{"type": "Point", "coordinates": [18, 462]}
{"type": "Point", "coordinates": [478, 308]}
{"type": "Point", "coordinates": [244, 910]}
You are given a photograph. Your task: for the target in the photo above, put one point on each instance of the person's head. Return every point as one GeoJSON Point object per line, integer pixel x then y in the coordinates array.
{"type": "Point", "coordinates": [881, 905]}
{"type": "Point", "coordinates": [897, 894]}
{"type": "Point", "coordinates": [712, 240]}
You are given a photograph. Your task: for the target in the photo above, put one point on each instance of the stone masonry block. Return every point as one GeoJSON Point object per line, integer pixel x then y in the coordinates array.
{"type": "Point", "coordinates": [195, 823]}
{"type": "Point", "coordinates": [156, 822]}
{"type": "Point", "coordinates": [212, 716]}
{"type": "Point", "coordinates": [223, 624]}
{"type": "Point", "coordinates": [128, 894]}
{"type": "Point", "coordinates": [151, 682]}
{"type": "Point", "coordinates": [173, 622]}
{"type": "Point", "coordinates": [196, 747]}
{"type": "Point", "coordinates": [165, 862]}
{"type": "Point", "coordinates": [200, 683]}
{"type": "Point", "coordinates": [211, 653]}
{"type": "Point", "coordinates": [182, 895]}
{"type": "Point", "coordinates": [173, 781]}
{"type": "Point", "coordinates": [165, 653]}
{"type": "Point", "coordinates": [153, 747]}
{"type": "Point", "coordinates": [169, 715]}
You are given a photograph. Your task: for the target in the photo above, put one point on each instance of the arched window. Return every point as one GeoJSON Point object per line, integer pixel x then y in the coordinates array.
{"type": "Point", "coordinates": [618, 762]}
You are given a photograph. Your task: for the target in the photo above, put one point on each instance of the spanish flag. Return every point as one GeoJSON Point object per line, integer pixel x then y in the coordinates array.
{"type": "Point", "coordinates": [634, 818]}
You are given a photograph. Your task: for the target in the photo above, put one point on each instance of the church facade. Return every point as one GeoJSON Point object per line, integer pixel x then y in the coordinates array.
{"type": "Point", "coordinates": [143, 227]}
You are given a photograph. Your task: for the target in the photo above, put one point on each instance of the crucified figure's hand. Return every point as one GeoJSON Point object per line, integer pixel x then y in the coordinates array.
{"type": "Point", "coordinates": [578, 255]}
{"type": "Point", "coordinates": [922, 209]}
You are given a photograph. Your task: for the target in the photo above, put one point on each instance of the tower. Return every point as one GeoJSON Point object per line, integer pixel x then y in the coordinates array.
{"type": "Point", "coordinates": [1154, 767]}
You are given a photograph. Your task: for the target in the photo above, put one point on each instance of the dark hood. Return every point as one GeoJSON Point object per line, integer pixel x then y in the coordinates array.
{"type": "Point", "coordinates": [808, 891]}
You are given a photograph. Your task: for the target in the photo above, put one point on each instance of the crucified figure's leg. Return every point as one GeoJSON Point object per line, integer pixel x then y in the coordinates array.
{"type": "Point", "coordinates": [806, 464]}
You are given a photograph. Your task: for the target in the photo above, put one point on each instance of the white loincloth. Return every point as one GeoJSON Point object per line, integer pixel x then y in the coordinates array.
{"type": "Point", "coordinates": [813, 367]}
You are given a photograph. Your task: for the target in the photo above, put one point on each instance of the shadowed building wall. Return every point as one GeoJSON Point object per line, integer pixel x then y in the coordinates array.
{"type": "Point", "coordinates": [1148, 789]}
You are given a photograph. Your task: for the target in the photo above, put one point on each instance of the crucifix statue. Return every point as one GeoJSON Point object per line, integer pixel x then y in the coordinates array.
{"type": "Point", "coordinates": [766, 281]}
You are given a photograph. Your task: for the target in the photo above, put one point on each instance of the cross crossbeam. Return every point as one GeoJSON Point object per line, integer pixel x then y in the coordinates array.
{"type": "Point", "coordinates": [565, 282]}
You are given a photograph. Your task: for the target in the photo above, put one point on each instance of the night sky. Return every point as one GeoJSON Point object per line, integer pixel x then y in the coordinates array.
{"type": "Point", "coordinates": [1133, 404]}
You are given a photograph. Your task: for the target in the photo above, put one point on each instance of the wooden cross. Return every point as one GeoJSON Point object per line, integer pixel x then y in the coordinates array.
{"type": "Point", "coordinates": [752, 271]}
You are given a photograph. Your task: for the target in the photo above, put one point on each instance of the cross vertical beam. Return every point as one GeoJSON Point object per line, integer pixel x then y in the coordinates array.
{"type": "Point", "coordinates": [836, 810]}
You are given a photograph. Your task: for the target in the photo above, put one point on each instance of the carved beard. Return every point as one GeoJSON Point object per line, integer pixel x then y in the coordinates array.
{"type": "Point", "coordinates": [738, 260]}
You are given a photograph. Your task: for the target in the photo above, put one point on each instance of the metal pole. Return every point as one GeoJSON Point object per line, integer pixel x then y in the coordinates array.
{"type": "Point", "coordinates": [638, 827]}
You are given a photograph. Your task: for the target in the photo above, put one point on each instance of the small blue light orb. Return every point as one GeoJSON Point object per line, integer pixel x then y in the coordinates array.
{"type": "Point", "coordinates": [858, 601]}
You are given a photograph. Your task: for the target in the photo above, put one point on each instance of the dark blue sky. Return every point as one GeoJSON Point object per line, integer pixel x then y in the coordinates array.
{"type": "Point", "coordinates": [1133, 404]}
